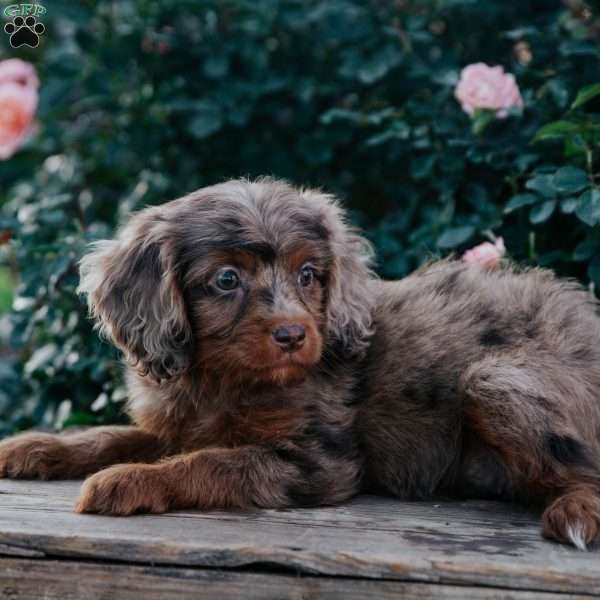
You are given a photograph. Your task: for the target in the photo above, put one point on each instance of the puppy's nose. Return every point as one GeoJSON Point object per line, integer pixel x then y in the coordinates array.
{"type": "Point", "coordinates": [290, 337]}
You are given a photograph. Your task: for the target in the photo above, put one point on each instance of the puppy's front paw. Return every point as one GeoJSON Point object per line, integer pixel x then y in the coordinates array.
{"type": "Point", "coordinates": [33, 456]}
{"type": "Point", "coordinates": [124, 490]}
{"type": "Point", "coordinates": [574, 518]}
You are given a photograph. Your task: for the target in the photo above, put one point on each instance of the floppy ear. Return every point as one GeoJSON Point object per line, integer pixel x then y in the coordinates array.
{"type": "Point", "coordinates": [350, 294]}
{"type": "Point", "coordinates": [133, 293]}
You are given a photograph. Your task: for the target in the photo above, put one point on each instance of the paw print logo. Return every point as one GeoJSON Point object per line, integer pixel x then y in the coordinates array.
{"type": "Point", "coordinates": [24, 32]}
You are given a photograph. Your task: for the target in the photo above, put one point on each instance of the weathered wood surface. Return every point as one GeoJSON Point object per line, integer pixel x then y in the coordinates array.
{"type": "Point", "coordinates": [428, 550]}
{"type": "Point", "coordinates": [67, 580]}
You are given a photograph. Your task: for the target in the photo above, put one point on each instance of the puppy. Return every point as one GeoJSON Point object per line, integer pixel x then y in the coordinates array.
{"type": "Point", "coordinates": [268, 366]}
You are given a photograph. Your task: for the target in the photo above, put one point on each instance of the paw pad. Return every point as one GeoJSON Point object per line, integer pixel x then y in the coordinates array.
{"type": "Point", "coordinates": [24, 32]}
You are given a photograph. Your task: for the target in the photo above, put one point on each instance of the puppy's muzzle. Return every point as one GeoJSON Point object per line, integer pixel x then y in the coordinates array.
{"type": "Point", "coordinates": [289, 337]}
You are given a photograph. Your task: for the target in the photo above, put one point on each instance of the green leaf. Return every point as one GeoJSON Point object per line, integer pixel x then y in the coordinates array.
{"type": "Point", "coordinates": [585, 94]}
{"type": "Point", "coordinates": [7, 285]}
{"type": "Point", "coordinates": [79, 418]}
{"type": "Point", "coordinates": [341, 114]}
{"type": "Point", "coordinates": [216, 66]}
{"type": "Point", "coordinates": [570, 179]}
{"type": "Point", "coordinates": [481, 120]}
{"type": "Point", "coordinates": [398, 266]}
{"type": "Point", "coordinates": [569, 205]}
{"type": "Point", "coordinates": [557, 130]}
{"type": "Point", "coordinates": [585, 250]}
{"type": "Point", "coordinates": [589, 208]}
{"type": "Point", "coordinates": [559, 91]}
{"type": "Point", "coordinates": [542, 212]}
{"type": "Point", "coordinates": [378, 65]}
{"type": "Point", "coordinates": [576, 147]}
{"type": "Point", "coordinates": [206, 121]}
{"type": "Point", "coordinates": [579, 48]}
{"type": "Point", "coordinates": [519, 201]}
{"type": "Point", "coordinates": [455, 236]}
{"type": "Point", "coordinates": [549, 259]}
{"type": "Point", "coordinates": [524, 161]}
{"type": "Point", "coordinates": [422, 166]}
{"type": "Point", "coordinates": [370, 67]}
{"type": "Point", "coordinates": [398, 131]}
{"type": "Point", "coordinates": [542, 184]}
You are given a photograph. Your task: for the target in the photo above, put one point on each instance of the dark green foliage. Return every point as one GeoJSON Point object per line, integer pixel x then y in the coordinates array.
{"type": "Point", "coordinates": [144, 101]}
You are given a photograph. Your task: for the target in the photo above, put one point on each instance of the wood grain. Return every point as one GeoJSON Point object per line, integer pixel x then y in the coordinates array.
{"type": "Point", "coordinates": [66, 580]}
{"type": "Point", "coordinates": [472, 544]}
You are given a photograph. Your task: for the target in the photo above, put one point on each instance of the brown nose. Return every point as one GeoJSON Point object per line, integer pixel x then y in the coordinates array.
{"type": "Point", "coordinates": [289, 337]}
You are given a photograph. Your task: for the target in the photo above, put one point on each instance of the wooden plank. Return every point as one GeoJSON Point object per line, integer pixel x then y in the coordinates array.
{"type": "Point", "coordinates": [475, 543]}
{"type": "Point", "coordinates": [67, 580]}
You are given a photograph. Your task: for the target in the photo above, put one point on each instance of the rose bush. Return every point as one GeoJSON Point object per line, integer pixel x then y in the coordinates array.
{"type": "Point", "coordinates": [141, 102]}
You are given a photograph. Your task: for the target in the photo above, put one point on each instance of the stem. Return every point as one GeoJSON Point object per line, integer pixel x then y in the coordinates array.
{"type": "Point", "coordinates": [532, 252]}
{"type": "Point", "coordinates": [589, 158]}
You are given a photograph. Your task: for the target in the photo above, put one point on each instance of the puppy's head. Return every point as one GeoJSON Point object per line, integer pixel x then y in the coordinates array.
{"type": "Point", "coordinates": [250, 281]}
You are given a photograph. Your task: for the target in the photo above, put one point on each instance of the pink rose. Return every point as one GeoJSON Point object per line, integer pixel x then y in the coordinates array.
{"type": "Point", "coordinates": [18, 103]}
{"type": "Point", "coordinates": [487, 88]}
{"type": "Point", "coordinates": [18, 71]}
{"type": "Point", "coordinates": [486, 255]}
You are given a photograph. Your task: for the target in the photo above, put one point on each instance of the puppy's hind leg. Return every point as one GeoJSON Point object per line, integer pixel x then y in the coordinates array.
{"type": "Point", "coordinates": [541, 421]}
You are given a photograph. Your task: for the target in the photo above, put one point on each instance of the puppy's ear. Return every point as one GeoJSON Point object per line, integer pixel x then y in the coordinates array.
{"type": "Point", "coordinates": [350, 291]}
{"type": "Point", "coordinates": [133, 293]}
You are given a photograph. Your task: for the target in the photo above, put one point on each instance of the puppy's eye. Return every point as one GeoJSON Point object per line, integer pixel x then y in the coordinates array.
{"type": "Point", "coordinates": [306, 276]}
{"type": "Point", "coordinates": [227, 279]}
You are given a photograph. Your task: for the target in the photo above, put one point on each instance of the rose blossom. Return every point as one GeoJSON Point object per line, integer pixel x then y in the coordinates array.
{"type": "Point", "coordinates": [18, 103]}
{"type": "Point", "coordinates": [487, 88]}
{"type": "Point", "coordinates": [18, 71]}
{"type": "Point", "coordinates": [486, 255]}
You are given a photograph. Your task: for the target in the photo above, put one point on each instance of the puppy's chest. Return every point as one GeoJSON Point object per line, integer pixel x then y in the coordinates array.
{"type": "Point", "coordinates": [245, 425]}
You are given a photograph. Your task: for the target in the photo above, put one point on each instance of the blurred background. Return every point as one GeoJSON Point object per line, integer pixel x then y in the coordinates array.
{"type": "Point", "coordinates": [134, 102]}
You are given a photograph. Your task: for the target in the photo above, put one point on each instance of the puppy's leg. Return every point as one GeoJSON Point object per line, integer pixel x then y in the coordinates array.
{"type": "Point", "coordinates": [541, 421]}
{"type": "Point", "coordinates": [47, 456]}
{"type": "Point", "coordinates": [218, 478]}
{"type": "Point", "coordinates": [574, 517]}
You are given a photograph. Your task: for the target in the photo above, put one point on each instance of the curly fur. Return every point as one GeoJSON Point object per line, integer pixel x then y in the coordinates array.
{"type": "Point", "coordinates": [454, 380]}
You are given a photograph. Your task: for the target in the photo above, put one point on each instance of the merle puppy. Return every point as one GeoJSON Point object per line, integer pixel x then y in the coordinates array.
{"type": "Point", "coordinates": [267, 366]}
